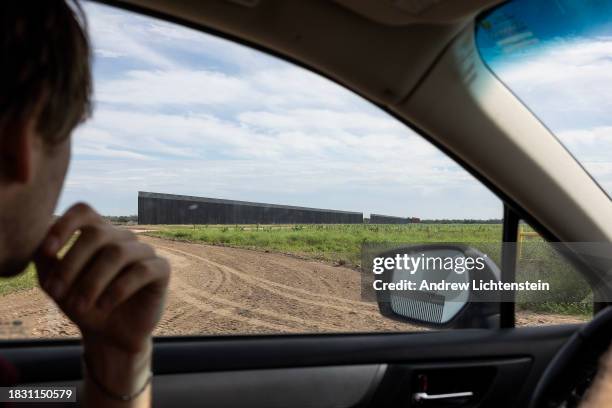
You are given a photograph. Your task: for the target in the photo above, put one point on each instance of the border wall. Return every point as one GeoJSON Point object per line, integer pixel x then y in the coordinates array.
{"type": "Point", "coordinates": [157, 208]}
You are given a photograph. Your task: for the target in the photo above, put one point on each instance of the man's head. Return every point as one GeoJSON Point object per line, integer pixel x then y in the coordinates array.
{"type": "Point", "coordinates": [45, 88]}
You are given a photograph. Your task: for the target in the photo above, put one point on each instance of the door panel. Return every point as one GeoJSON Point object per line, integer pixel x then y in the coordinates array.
{"type": "Point", "coordinates": [330, 370]}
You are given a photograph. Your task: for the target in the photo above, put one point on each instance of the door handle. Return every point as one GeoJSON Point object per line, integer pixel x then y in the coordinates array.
{"type": "Point", "coordinates": [423, 396]}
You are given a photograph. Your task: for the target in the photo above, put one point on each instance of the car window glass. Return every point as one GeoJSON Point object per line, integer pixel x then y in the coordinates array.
{"type": "Point", "coordinates": [259, 181]}
{"type": "Point", "coordinates": [555, 56]}
{"type": "Point", "coordinates": [570, 298]}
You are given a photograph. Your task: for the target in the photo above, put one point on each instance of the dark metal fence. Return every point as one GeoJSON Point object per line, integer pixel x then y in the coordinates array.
{"type": "Point", "coordinates": [156, 208]}
{"type": "Point", "coordinates": [389, 219]}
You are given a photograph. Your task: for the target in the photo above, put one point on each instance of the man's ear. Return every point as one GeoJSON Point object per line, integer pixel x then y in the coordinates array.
{"type": "Point", "coordinates": [17, 152]}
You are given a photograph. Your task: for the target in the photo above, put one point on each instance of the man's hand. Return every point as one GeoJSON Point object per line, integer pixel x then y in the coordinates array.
{"type": "Point", "coordinates": [111, 286]}
{"type": "Point", "coordinates": [600, 392]}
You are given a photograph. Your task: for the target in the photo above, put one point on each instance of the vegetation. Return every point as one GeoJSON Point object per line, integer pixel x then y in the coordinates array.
{"type": "Point", "coordinates": [121, 219]}
{"type": "Point", "coordinates": [462, 221]}
{"type": "Point", "coordinates": [342, 244]}
{"type": "Point", "coordinates": [569, 294]}
{"type": "Point", "coordinates": [334, 243]}
{"type": "Point", "coordinates": [26, 280]}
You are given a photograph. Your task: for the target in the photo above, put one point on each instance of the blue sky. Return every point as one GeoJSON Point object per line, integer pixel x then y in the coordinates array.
{"type": "Point", "coordinates": [178, 111]}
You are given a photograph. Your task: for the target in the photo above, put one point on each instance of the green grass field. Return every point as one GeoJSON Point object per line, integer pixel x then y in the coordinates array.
{"type": "Point", "coordinates": [341, 244]}
{"type": "Point", "coordinates": [333, 243]}
{"type": "Point", "coordinates": [26, 280]}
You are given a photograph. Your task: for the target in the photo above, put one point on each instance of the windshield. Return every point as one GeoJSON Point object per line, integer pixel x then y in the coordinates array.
{"type": "Point", "coordinates": [556, 56]}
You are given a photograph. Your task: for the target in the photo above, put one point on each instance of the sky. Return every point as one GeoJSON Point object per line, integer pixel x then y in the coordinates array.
{"type": "Point", "coordinates": [182, 112]}
{"type": "Point", "coordinates": [556, 56]}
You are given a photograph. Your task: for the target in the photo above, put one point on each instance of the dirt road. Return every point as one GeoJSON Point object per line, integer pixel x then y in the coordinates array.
{"type": "Point", "coordinates": [219, 290]}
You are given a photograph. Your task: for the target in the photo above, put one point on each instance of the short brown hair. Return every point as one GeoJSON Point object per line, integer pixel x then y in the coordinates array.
{"type": "Point", "coordinates": [44, 64]}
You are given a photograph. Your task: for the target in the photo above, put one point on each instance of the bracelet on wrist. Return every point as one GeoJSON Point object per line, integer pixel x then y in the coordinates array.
{"type": "Point", "coordinates": [107, 392]}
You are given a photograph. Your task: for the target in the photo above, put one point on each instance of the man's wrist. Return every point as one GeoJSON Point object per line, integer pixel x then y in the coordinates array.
{"type": "Point", "coordinates": [119, 371]}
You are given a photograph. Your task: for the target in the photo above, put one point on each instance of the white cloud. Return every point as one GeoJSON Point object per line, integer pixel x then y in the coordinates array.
{"type": "Point", "coordinates": [594, 142]}
{"type": "Point", "coordinates": [114, 33]}
{"type": "Point", "coordinates": [565, 81]}
{"type": "Point", "coordinates": [173, 65]}
{"type": "Point", "coordinates": [567, 84]}
{"type": "Point", "coordinates": [321, 120]}
{"type": "Point", "coordinates": [183, 112]}
{"type": "Point", "coordinates": [380, 166]}
{"type": "Point", "coordinates": [107, 53]}
{"type": "Point", "coordinates": [368, 186]}
{"type": "Point", "coordinates": [176, 87]}
{"type": "Point", "coordinates": [217, 49]}
{"type": "Point", "coordinates": [273, 89]}
{"type": "Point", "coordinates": [300, 133]}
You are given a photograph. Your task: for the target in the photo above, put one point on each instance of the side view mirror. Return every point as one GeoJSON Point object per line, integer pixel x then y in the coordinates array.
{"type": "Point", "coordinates": [433, 285]}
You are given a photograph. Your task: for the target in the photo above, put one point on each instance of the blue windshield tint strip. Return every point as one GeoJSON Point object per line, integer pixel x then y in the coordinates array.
{"type": "Point", "coordinates": [525, 24]}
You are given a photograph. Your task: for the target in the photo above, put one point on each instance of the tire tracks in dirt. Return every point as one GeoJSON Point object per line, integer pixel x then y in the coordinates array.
{"type": "Point", "coordinates": [254, 314]}
{"type": "Point", "coordinates": [283, 290]}
{"type": "Point", "coordinates": [199, 299]}
{"type": "Point", "coordinates": [233, 291]}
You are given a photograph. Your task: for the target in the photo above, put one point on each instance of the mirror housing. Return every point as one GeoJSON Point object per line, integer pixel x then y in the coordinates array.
{"type": "Point", "coordinates": [462, 308]}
